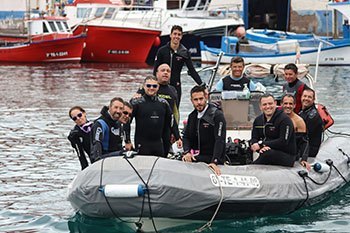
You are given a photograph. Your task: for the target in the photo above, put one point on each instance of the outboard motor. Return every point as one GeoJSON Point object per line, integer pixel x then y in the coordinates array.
{"type": "Point", "coordinates": [238, 152]}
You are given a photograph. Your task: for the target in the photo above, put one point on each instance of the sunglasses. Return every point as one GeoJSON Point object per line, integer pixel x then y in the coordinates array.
{"type": "Point", "coordinates": [152, 85]}
{"type": "Point", "coordinates": [127, 113]}
{"type": "Point", "coordinates": [79, 115]}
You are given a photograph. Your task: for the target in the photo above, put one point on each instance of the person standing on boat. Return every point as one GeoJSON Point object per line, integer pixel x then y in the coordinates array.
{"type": "Point", "coordinates": [240, 34]}
{"type": "Point", "coordinates": [237, 79]}
{"type": "Point", "coordinates": [79, 136]}
{"type": "Point", "coordinates": [273, 135]}
{"type": "Point", "coordinates": [205, 132]}
{"type": "Point", "coordinates": [302, 141]}
{"type": "Point", "coordinates": [125, 120]}
{"type": "Point", "coordinates": [314, 123]}
{"type": "Point", "coordinates": [176, 55]}
{"type": "Point", "coordinates": [294, 86]}
{"type": "Point", "coordinates": [153, 120]}
{"type": "Point", "coordinates": [107, 130]}
{"type": "Point", "coordinates": [168, 93]}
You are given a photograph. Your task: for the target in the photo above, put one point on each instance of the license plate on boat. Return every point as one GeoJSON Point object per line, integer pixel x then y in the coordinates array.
{"type": "Point", "coordinates": [235, 181]}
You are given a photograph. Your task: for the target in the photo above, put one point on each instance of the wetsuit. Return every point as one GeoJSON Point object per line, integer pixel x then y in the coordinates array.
{"type": "Point", "coordinates": [296, 88]}
{"type": "Point", "coordinates": [79, 138]}
{"type": "Point", "coordinates": [302, 142]}
{"type": "Point", "coordinates": [106, 136]}
{"type": "Point", "coordinates": [176, 61]}
{"type": "Point", "coordinates": [278, 134]}
{"type": "Point", "coordinates": [207, 134]}
{"type": "Point", "coordinates": [314, 125]}
{"type": "Point", "coordinates": [168, 93]}
{"type": "Point", "coordinates": [153, 123]}
{"type": "Point", "coordinates": [230, 84]}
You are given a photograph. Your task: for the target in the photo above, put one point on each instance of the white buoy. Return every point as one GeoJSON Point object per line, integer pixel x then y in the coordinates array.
{"type": "Point", "coordinates": [321, 167]}
{"type": "Point", "coordinates": [123, 190]}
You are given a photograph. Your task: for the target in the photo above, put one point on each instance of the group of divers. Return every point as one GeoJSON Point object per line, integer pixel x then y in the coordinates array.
{"type": "Point", "coordinates": [281, 135]}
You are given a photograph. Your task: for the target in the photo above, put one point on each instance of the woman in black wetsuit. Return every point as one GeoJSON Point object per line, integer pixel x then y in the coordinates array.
{"type": "Point", "coordinates": [79, 136]}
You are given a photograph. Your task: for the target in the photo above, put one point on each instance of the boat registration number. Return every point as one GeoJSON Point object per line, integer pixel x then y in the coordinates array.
{"type": "Point", "coordinates": [235, 181]}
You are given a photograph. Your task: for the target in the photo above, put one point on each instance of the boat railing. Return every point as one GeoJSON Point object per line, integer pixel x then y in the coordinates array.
{"type": "Point", "coordinates": [217, 11]}
{"type": "Point", "coordinates": [146, 16]}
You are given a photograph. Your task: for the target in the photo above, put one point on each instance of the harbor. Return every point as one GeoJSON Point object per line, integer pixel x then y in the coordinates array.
{"type": "Point", "coordinates": [59, 54]}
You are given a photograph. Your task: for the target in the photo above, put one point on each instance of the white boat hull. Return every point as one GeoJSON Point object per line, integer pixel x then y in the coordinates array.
{"type": "Point", "coordinates": [337, 55]}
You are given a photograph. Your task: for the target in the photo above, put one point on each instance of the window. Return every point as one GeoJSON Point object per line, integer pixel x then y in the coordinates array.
{"type": "Point", "coordinates": [202, 5]}
{"type": "Point", "coordinates": [45, 28]}
{"type": "Point", "coordinates": [83, 13]}
{"type": "Point", "coordinates": [99, 11]}
{"type": "Point", "coordinates": [59, 25]}
{"type": "Point", "coordinates": [66, 26]}
{"type": "Point", "coordinates": [191, 5]}
{"type": "Point", "coordinates": [109, 13]}
{"type": "Point", "coordinates": [52, 26]}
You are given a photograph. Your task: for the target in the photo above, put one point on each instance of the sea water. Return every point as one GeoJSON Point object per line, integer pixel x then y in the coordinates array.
{"type": "Point", "coordinates": [37, 162]}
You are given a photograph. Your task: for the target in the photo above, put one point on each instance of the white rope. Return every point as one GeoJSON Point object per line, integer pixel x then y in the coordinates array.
{"type": "Point", "coordinates": [208, 224]}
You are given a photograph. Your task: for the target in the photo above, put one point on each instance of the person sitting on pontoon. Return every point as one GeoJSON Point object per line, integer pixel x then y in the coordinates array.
{"type": "Point", "coordinates": [79, 136]}
{"type": "Point", "coordinates": [237, 79]}
{"type": "Point", "coordinates": [273, 135]}
{"type": "Point", "coordinates": [313, 121]}
{"type": "Point", "coordinates": [205, 132]}
{"type": "Point", "coordinates": [302, 140]}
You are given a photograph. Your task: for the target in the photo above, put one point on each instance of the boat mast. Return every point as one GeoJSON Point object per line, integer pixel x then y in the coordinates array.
{"type": "Point", "coordinates": [27, 18]}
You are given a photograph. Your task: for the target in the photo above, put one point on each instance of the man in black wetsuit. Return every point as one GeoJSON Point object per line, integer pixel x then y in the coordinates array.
{"type": "Point", "coordinates": [313, 121]}
{"type": "Point", "coordinates": [153, 120]}
{"type": "Point", "coordinates": [168, 93]}
{"type": "Point", "coordinates": [176, 55]}
{"type": "Point", "coordinates": [107, 130]}
{"type": "Point", "coordinates": [294, 86]}
{"type": "Point", "coordinates": [125, 120]}
{"type": "Point", "coordinates": [205, 131]}
{"type": "Point", "coordinates": [273, 135]}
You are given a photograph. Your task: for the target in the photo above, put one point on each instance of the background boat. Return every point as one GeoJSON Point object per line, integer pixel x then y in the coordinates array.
{"type": "Point", "coordinates": [198, 19]}
{"type": "Point", "coordinates": [335, 53]}
{"type": "Point", "coordinates": [115, 34]}
{"type": "Point", "coordinates": [48, 40]}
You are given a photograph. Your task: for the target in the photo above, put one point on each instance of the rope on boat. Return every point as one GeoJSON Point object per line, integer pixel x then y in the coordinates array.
{"type": "Point", "coordinates": [304, 175]}
{"type": "Point", "coordinates": [109, 205]}
{"type": "Point", "coordinates": [338, 133]}
{"type": "Point", "coordinates": [329, 174]}
{"type": "Point", "coordinates": [208, 224]}
{"type": "Point", "coordinates": [345, 154]}
{"type": "Point", "coordinates": [137, 223]}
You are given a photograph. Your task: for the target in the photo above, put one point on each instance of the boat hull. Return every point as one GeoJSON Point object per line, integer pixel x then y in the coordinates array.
{"type": "Point", "coordinates": [191, 191]}
{"type": "Point", "coordinates": [117, 44]}
{"type": "Point", "coordinates": [58, 50]}
{"type": "Point", "coordinates": [336, 55]}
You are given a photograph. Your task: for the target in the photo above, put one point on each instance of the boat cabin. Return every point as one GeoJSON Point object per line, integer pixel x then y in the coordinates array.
{"type": "Point", "coordinates": [48, 25]}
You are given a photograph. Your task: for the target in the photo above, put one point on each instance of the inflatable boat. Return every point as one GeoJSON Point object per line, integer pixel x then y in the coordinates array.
{"type": "Point", "coordinates": [150, 190]}
{"type": "Point", "coordinates": [152, 187]}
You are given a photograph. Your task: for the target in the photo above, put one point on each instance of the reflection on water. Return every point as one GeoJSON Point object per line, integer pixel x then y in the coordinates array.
{"type": "Point", "coordinates": [37, 162]}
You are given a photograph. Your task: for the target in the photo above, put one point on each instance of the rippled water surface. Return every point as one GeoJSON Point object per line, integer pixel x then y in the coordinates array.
{"type": "Point", "coordinates": [37, 162]}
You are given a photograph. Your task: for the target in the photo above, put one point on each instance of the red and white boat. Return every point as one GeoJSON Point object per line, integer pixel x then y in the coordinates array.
{"type": "Point", "coordinates": [49, 39]}
{"type": "Point", "coordinates": [116, 32]}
